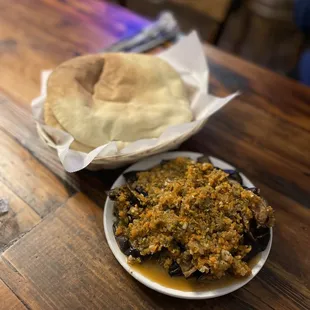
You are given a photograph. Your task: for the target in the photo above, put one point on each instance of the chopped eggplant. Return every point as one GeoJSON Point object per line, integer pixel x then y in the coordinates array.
{"type": "Point", "coordinates": [123, 243]}
{"type": "Point", "coordinates": [114, 193]}
{"type": "Point", "coordinates": [126, 247]}
{"type": "Point", "coordinates": [182, 247]}
{"type": "Point", "coordinates": [186, 264]}
{"type": "Point", "coordinates": [130, 176]}
{"type": "Point", "coordinates": [135, 196]}
{"type": "Point", "coordinates": [175, 270]}
{"type": "Point", "coordinates": [263, 213]}
{"type": "Point", "coordinates": [234, 175]}
{"type": "Point", "coordinates": [114, 227]}
{"type": "Point", "coordinates": [258, 238]}
{"type": "Point", "coordinates": [133, 252]}
{"type": "Point", "coordinates": [190, 272]}
{"type": "Point", "coordinates": [203, 159]}
{"type": "Point", "coordinates": [141, 191]}
{"type": "Point", "coordinates": [164, 161]}
{"type": "Point", "coordinates": [200, 276]}
{"type": "Point", "coordinates": [233, 182]}
{"type": "Point", "coordinates": [254, 190]}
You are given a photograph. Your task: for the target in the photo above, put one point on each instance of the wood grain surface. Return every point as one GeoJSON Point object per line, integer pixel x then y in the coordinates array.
{"type": "Point", "coordinates": [59, 30]}
{"type": "Point", "coordinates": [53, 251]}
{"type": "Point", "coordinates": [8, 300]}
{"type": "Point", "coordinates": [20, 219]}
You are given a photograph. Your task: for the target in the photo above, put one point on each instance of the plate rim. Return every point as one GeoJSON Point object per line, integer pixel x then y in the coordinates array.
{"type": "Point", "coordinates": [152, 284]}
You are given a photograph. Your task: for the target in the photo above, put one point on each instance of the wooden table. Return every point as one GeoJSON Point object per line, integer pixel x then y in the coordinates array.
{"type": "Point", "coordinates": [53, 251]}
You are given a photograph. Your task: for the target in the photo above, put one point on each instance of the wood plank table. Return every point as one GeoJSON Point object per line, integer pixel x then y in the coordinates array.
{"type": "Point", "coordinates": [53, 251]}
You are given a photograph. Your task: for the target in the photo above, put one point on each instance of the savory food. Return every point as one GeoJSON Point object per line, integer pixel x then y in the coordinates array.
{"type": "Point", "coordinates": [193, 218]}
{"type": "Point", "coordinates": [115, 97]}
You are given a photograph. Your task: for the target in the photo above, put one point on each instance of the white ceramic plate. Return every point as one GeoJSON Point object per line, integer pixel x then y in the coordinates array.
{"type": "Point", "coordinates": [108, 220]}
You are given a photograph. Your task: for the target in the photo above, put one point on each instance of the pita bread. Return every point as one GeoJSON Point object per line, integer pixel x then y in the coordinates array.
{"type": "Point", "coordinates": [116, 97]}
{"type": "Point", "coordinates": [50, 120]}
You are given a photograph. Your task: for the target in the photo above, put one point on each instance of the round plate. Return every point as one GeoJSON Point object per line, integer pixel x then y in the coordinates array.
{"type": "Point", "coordinates": [108, 220]}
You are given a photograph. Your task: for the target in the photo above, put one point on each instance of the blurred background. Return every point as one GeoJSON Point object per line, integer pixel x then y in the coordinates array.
{"type": "Point", "coordinates": [270, 33]}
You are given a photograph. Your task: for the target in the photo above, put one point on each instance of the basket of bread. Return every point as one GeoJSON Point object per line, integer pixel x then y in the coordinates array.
{"type": "Point", "coordinates": [107, 110]}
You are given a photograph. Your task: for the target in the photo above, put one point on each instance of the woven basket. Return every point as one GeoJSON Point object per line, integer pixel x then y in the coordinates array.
{"type": "Point", "coordinates": [116, 161]}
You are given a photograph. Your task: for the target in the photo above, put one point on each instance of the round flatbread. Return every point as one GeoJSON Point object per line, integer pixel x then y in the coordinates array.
{"type": "Point", "coordinates": [117, 97]}
{"type": "Point", "coordinates": [50, 120]}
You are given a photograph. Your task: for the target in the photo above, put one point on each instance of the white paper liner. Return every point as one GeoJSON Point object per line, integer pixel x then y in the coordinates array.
{"type": "Point", "coordinates": [188, 58]}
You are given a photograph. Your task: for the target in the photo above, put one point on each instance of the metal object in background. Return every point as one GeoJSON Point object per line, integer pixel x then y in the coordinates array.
{"type": "Point", "coordinates": [165, 29]}
{"type": "Point", "coordinates": [219, 13]}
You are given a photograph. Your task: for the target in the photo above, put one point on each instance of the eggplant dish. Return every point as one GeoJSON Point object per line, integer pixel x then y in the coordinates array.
{"type": "Point", "coordinates": [195, 219]}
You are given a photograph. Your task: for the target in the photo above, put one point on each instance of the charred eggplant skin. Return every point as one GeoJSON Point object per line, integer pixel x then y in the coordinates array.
{"type": "Point", "coordinates": [254, 190]}
{"type": "Point", "coordinates": [114, 194]}
{"type": "Point", "coordinates": [175, 270]}
{"type": "Point", "coordinates": [258, 238]}
{"type": "Point", "coordinates": [126, 247]}
{"type": "Point", "coordinates": [204, 159]}
{"type": "Point", "coordinates": [234, 175]}
{"type": "Point", "coordinates": [130, 178]}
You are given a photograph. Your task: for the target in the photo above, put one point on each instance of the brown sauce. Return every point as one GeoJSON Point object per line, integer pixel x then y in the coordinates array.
{"type": "Point", "coordinates": [151, 270]}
